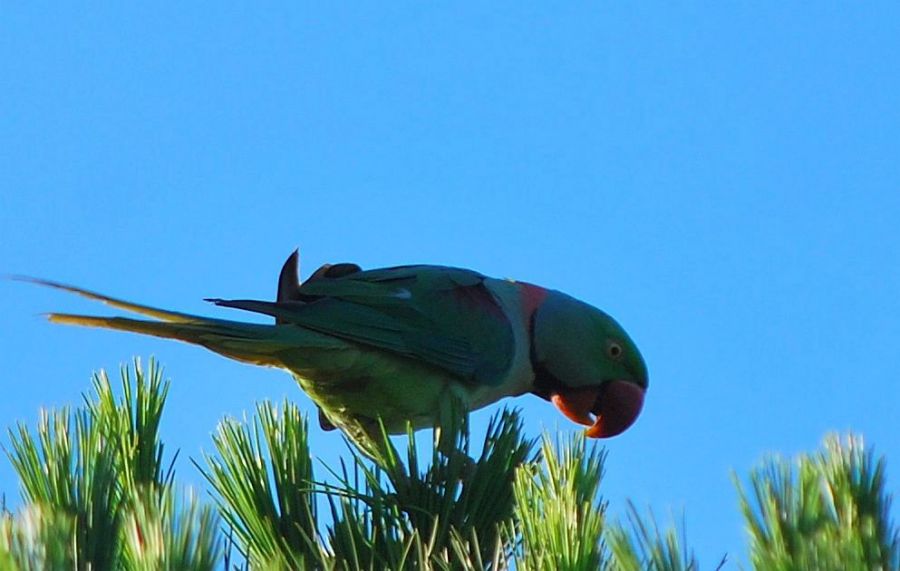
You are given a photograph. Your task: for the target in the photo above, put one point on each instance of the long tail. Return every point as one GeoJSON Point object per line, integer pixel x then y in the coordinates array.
{"type": "Point", "coordinates": [247, 342]}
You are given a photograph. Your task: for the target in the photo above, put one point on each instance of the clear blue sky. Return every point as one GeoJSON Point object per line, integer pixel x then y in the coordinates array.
{"type": "Point", "coordinates": [723, 180]}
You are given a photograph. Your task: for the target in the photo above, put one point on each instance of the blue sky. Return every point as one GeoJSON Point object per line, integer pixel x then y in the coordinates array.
{"type": "Point", "coordinates": [724, 180]}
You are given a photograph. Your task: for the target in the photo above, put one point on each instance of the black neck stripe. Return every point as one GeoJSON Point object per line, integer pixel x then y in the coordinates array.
{"type": "Point", "coordinates": [545, 382]}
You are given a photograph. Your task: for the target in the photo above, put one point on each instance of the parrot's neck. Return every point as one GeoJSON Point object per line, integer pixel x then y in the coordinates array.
{"type": "Point", "coordinates": [543, 382]}
{"type": "Point", "coordinates": [519, 302]}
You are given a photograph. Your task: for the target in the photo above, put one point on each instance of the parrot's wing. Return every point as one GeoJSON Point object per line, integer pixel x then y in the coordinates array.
{"type": "Point", "coordinates": [445, 317]}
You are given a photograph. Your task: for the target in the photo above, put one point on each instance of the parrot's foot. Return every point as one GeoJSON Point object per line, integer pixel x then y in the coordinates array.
{"type": "Point", "coordinates": [324, 423]}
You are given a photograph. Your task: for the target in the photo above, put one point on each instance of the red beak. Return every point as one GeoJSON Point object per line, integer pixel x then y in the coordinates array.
{"type": "Point", "coordinates": [616, 405]}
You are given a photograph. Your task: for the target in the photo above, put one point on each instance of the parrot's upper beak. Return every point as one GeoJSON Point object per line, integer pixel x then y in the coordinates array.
{"type": "Point", "coordinates": [616, 405]}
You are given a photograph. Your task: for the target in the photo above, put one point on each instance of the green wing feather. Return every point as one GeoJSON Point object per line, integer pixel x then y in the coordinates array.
{"type": "Point", "coordinates": [443, 316]}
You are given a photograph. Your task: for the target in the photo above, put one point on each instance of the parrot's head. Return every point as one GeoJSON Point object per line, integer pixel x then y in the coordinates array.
{"type": "Point", "coordinates": [587, 365]}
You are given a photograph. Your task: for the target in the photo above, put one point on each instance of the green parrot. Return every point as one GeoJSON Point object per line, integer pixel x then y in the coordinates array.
{"type": "Point", "coordinates": [397, 344]}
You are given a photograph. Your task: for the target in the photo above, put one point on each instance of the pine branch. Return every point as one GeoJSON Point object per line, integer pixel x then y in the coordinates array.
{"type": "Point", "coordinates": [559, 513]}
{"type": "Point", "coordinates": [823, 511]}
{"type": "Point", "coordinates": [96, 492]}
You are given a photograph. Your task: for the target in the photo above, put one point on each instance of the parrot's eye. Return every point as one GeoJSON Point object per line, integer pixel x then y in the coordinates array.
{"type": "Point", "coordinates": [614, 350]}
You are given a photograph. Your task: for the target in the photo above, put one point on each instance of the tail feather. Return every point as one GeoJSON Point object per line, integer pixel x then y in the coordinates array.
{"type": "Point", "coordinates": [246, 342]}
{"type": "Point", "coordinates": [172, 316]}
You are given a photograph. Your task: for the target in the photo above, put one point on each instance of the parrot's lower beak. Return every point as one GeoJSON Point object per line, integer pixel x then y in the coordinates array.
{"type": "Point", "coordinates": [616, 405]}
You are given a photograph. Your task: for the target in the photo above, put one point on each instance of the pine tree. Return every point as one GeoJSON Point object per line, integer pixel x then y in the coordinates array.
{"type": "Point", "coordinates": [99, 492]}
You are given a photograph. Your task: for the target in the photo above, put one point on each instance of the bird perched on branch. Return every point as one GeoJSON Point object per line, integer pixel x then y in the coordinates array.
{"type": "Point", "coordinates": [397, 344]}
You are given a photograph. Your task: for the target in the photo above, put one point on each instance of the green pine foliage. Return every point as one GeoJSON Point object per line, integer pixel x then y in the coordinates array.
{"type": "Point", "coordinates": [559, 514]}
{"type": "Point", "coordinates": [263, 477]}
{"type": "Point", "coordinates": [99, 492]}
{"type": "Point", "coordinates": [824, 511]}
{"type": "Point", "coordinates": [641, 545]}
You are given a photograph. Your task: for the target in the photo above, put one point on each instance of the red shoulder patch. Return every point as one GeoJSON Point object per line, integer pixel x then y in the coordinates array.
{"type": "Point", "coordinates": [532, 298]}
